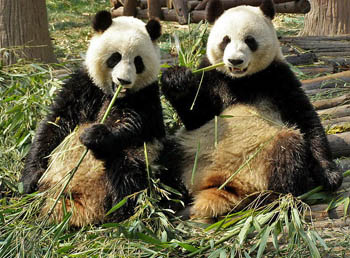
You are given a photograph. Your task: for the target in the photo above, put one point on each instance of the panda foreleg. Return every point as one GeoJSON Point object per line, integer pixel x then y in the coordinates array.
{"type": "Point", "coordinates": [180, 87]}
{"type": "Point", "coordinates": [105, 140]}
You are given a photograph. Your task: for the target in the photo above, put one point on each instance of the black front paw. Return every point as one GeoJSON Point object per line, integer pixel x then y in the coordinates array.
{"type": "Point", "coordinates": [332, 179]}
{"type": "Point", "coordinates": [176, 80]}
{"type": "Point", "coordinates": [97, 138]}
{"type": "Point", "coordinates": [29, 182]}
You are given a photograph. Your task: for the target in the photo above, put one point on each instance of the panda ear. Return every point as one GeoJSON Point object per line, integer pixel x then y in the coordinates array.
{"type": "Point", "coordinates": [213, 10]}
{"type": "Point", "coordinates": [102, 21]}
{"type": "Point", "coordinates": [268, 8]}
{"type": "Point", "coordinates": [154, 29]}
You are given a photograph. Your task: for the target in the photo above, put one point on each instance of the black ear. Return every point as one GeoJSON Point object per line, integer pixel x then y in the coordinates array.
{"type": "Point", "coordinates": [268, 8]}
{"type": "Point", "coordinates": [154, 29]}
{"type": "Point", "coordinates": [213, 10]}
{"type": "Point", "coordinates": [102, 21]}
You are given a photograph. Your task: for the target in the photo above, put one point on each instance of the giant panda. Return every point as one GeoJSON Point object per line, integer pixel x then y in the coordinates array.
{"type": "Point", "coordinates": [251, 128]}
{"type": "Point", "coordinates": [122, 51]}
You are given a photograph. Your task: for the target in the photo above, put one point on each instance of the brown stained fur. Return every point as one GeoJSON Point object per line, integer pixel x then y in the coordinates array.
{"type": "Point", "coordinates": [250, 130]}
{"type": "Point", "coordinates": [85, 195]}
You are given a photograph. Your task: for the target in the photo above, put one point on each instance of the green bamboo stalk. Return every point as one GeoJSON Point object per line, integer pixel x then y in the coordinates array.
{"type": "Point", "coordinates": [74, 170]}
{"type": "Point", "coordinates": [208, 68]}
{"type": "Point", "coordinates": [318, 188]}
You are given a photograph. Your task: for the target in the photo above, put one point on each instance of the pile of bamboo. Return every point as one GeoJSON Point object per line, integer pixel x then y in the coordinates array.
{"type": "Point", "coordinates": [184, 11]}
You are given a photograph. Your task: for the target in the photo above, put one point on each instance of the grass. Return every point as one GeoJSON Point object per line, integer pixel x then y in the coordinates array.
{"type": "Point", "coordinates": [278, 229]}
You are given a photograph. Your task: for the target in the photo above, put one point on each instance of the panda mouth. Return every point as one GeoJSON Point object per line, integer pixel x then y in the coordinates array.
{"type": "Point", "coordinates": [122, 91]}
{"type": "Point", "coordinates": [237, 70]}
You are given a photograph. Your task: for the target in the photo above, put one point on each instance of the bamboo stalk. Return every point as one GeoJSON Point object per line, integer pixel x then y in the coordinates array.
{"type": "Point", "coordinates": [208, 68]}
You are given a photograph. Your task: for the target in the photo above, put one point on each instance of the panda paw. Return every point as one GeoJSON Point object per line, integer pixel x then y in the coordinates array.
{"type": "Point", "coordinates": [97, 138]}
{"type": "Point", "coordinates": [332, 179]}
{"type": "Point", "coordinates": [176, 81]}
{"type": "Point", "coordinates": [29, 182]}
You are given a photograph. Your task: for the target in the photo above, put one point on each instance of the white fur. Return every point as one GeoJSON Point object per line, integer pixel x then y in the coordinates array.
{"type": "Point", "coordinates": [237, 23]}
{"type": "Point", "coordinates": [129, 37]}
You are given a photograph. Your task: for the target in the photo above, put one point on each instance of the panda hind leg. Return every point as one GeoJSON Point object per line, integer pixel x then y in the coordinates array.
{"type": "Point", "coordinates": [288, 163]}
{"type": "Point", "coordinates": [213, 202]}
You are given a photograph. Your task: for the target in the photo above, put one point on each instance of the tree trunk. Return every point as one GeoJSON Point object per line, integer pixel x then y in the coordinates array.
{"type": "Point", "coordinates": [327, 17]}
{"type": "Point", "coordinates": [24, 31]}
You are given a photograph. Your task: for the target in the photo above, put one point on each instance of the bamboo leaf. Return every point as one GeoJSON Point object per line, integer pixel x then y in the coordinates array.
{"type": "Point", "coordinates": [187, 247]}
{"type": "Point", "coordinates": [322, 242]}
{"type": "Point", "coordinates": [117, 206]}
{"type": "Point", "coordinates": [263, 241]}
{"type": "Point", "coordinates": [244, 231]}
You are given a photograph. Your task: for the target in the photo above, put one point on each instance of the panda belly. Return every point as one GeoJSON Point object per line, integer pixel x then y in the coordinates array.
{"type": "Point", "coordinates": [85, 194]}
{"type": "Point", "coordinates": [250, 139]}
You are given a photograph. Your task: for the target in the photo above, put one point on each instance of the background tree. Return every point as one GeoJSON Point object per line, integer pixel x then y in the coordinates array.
{"type": "Point", "coordinates": [24, 31]}
{"type": "Point", "coordinates": [328, 17]}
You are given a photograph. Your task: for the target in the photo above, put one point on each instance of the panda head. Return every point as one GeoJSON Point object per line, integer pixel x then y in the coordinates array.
{"type": "Point", "coordinates": [243, 38]}
{"type": "Point", "coordinates": [123, 51]}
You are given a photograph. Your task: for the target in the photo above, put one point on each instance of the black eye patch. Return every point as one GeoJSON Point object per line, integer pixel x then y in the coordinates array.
{"type": "Point", "coordinates": [140, 67]}
{"type": "Point", "coordinates": [114, 59]}
{"type": "Point", "coordinates": [251, 42]}
{"type": "Point", "coordinates": [225, 41]}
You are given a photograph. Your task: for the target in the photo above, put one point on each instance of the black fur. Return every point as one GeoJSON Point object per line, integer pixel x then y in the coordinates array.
{"type": "Point", "coordinates": [140, 120]}
{"type": "Point", "coordinates": [276, 83]}
{"type": "Point", "coordinates": [252, 43]}
{"type": "Point", "coordinates": [114, 59]}
{"type": "Point", "coordinates": [101, 21]}
{"type": "Point", "coordinates": [154, 29]}
{"type": "Point", "coordinates": [225, 41]}
{"type": "Point", "coordinates": [140, 67]}
{"type": "Point", "coordinates": [268, 8]}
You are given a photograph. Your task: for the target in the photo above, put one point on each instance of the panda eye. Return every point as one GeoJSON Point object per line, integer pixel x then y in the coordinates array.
{"type": "Point", "coordinates": [114, 59]}
{"type": "Point", "coordinates": [140, 67]}
{"type": "Point", "coordinates": [251, 42]}
{"type": "Point", "coordinates": [225, 41]}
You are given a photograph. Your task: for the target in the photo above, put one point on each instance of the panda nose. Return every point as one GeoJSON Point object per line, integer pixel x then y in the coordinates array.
{"type": "Point", "coordinates": [123, 82]}
{"type": "Point", "coordinates": [236, 61]}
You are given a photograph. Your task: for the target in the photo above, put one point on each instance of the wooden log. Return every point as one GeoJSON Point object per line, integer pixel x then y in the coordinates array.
{"type": "Point", "coordinates": [302, 59]}
{"type": "Point", "coordinates": [319, 212]}
{"type": "Point", "coordinates": [315, 38]}
{"type": "Point", "coordinates": [335, 112]}
{"type": "Point", "coordinates": [202, 4]}
{"type": "Point", "coordinates": [329, 81]}
{"type": "Point", "coordinates": [326, 91]}
{"type": "Point", "coordinates": [329, 103]}
{"type": "Point", "coordinates": [332, 53]}
{"type": "Point", "coordinates": [168, 15]}
{"type": "Point", "coordinates": [341, 63]}
{"type": "Point", "coordinates": [181, 11]}
{"type": "Point", "coordinates": [154, 9]}
{"type": "Point", "coordinates": [336, 121]}
{"type": "Point", "coordinates": [340, 144]}
{"type": "Point", "coordinates": [320, 69]}
{"type": "Point", "coordinates": [130, 8]}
